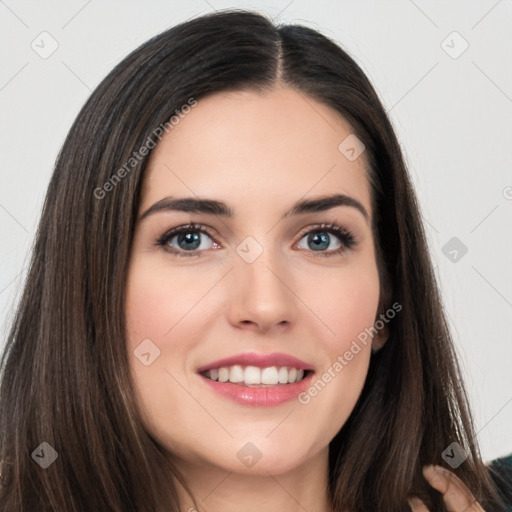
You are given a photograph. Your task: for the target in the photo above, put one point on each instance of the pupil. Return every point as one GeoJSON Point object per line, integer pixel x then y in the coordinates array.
{"type": "Point", "coordinates": [320, 240]}
{"type": "Point", "coordinates": [189, 237]}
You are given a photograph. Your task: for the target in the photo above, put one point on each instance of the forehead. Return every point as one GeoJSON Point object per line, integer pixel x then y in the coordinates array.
{"type": "Point", "coordinates": [245, 147]}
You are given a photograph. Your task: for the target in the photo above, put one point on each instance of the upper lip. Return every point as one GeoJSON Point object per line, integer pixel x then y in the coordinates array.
{"type": "Point", "coordinates": [260, 360]}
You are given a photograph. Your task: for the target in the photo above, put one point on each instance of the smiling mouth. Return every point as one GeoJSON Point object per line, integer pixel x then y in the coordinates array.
{"type": "Point", "coordinates": [254, 376]}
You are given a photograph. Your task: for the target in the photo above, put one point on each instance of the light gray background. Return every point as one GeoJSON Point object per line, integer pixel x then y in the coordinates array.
{"type": "Point", "coordinates": [453, 117]}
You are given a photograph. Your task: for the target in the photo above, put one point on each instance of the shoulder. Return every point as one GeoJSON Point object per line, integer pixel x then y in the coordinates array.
{"type": "Point", "coordinates": [501, 473]}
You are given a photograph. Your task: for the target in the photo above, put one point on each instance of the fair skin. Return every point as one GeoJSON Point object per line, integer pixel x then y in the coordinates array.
{"type": "Point", "coordinates": [259, 154]}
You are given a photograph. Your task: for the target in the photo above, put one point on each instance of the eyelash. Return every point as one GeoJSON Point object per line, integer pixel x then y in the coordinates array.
{"type": "Point", "coordinates": [347, 238]}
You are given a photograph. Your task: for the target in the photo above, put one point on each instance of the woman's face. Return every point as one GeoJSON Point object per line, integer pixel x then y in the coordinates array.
{"type": "Point", "coordinates": [264, 280]}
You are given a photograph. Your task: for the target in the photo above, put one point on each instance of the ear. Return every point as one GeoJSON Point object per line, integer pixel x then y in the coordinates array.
{"type": "Point", "coordinates": [382, 318]}
{"type": "Point", "coordinates": [382, 335]}
{"type": "Point", "coordinates": [379, 340]}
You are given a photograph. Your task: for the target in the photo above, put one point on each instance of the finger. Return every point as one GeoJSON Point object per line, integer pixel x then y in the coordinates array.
{"type": "Point", "coordinates": [456, 495]}
{"type": "Point", "coordinates": [417, 505]}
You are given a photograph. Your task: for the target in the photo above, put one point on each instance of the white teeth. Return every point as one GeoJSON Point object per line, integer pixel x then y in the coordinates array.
{"type": "Point", "coordinates": [282, 375]}
{"type": "Point", "coordinates": [269, 375]}
{"type": "Point", "coordinates": [254, 376]}
{"type": "Point", "coordinates": [236, 374]}
{"type": "Point", "coordinates": [223, 374]}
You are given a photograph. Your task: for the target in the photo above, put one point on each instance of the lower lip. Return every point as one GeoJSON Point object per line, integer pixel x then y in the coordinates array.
{"type": "Point", "coordinates": [259, 396]}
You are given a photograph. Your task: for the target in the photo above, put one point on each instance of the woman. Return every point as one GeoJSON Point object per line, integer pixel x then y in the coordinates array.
{"type": "Point", "coordinates": [230, 303]}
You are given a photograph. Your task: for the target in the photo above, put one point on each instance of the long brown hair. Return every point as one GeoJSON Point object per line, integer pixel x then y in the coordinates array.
{"type": "Point", "coordinates": [65, 372]}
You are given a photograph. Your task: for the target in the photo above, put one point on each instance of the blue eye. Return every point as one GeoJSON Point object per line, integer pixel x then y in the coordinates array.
{"type": "Point", "coordinates": [187, 237]}
{"type": "Point", "coordinates": [320, 239]}
{"type": "Point", "coordinates": [189, 241]}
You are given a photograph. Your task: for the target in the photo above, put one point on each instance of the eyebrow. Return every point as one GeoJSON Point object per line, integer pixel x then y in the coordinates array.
{"type": "Point", "coordinates": [214, 207]}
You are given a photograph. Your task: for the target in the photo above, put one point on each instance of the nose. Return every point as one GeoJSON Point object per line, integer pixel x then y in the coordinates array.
{"type": "Point", "coordinates": [261, 295]}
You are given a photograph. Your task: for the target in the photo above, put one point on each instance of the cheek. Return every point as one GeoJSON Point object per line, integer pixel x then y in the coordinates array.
{"type": "Point", "coordinates": [346, 303]}
{"type": "Point", "coordinates": [347, 306]}
{"type": "Point", "coordinates": [158, 302]}
{"type": "Point", "coordinates": [160, 307]}
{"type": "Point", "coordinates": [352, 312]}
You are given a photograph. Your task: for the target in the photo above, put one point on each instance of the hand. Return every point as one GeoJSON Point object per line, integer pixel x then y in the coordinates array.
{"type": "Point", "coordinates": [456, 495]}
